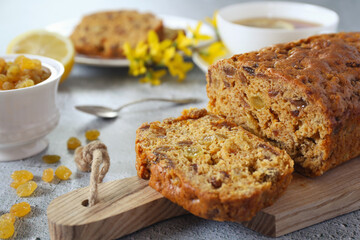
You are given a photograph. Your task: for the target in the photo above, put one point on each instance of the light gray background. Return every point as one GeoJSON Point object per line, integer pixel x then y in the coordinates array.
{"type": "Point", "coordinates": [113, 86]}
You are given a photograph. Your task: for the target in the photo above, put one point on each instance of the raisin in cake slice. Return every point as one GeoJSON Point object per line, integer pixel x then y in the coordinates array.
{"type": "Point", "coordinates": [211, 167]}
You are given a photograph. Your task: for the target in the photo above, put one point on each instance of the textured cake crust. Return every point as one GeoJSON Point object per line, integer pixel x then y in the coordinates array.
{"type": "Point", "coordinates": [103, 34]}
{"type": "Point", "coordinates": [302, 96]}
{"type": "Point", "coordinates": [233, 179]}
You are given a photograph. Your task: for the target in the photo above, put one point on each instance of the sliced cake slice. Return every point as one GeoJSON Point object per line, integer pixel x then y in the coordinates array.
{"type": "Point", "coordinates": [211, 167]}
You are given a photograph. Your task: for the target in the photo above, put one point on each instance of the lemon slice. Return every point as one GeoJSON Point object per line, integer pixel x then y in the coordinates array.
{"type": "Point", "coordinates": [48, 44]}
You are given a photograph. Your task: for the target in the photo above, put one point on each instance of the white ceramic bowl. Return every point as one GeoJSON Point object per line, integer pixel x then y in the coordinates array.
{"type": "Point", "coordinates": [240, 39]}
{"type": "Point", "coordinates": [28, 114]}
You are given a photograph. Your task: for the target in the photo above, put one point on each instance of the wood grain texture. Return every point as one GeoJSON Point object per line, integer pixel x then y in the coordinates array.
{"type": "Point", "coordinates": [129, 204]}
{"type": "Point", "coordinates": [124, 206]}
{"type": "Point", "coordinates": [308, 201]}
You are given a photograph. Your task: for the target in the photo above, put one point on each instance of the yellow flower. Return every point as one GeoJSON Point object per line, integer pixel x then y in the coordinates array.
{"type": "Point", "coordinates": [169, 54]}
{"type": "Point", "coordinates": [137, 57]}
{"type": "Point", "coordinates": [127, 50]}
{"type": "Point", "coordinates": [213, 52]}
{"type": "Point", "coordinates": [212, 20]}
{"type": "Point", "coordinates": [137, 67]}
{"type": "Point", "coordinates": [140, 51]}
{"type": "Point", "coordinates": [183, 43]}
{"type": "Point", "coordinates": [196, 33]}
{"type": "Point", "coordinates": [178, 67]}
{"type": "Point", "coordinates": [157, 48]}
{"type": "Point", "coordinates": [153, 77]}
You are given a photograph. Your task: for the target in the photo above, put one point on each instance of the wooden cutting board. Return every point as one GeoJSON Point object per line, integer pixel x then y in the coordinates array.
{"type": "Point", "coordinates": [128, 205]}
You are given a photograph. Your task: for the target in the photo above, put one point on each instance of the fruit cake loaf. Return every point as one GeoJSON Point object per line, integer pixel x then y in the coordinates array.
{"type": "Point", "coordinates": [303, 96]}
{"type": "Point", "coordinates": [103, 34]}
{"type": "Point", "coordinates": [211, 167]}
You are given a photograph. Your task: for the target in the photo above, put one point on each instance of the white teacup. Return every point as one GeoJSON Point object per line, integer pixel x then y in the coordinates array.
{"type": "Point", "coordinates": [240, 39]}
{"type": "Point", "coordinates": [28, 114]}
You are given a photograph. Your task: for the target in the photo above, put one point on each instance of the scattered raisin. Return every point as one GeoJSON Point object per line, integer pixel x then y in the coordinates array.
{"type": "Point", "coordinates": [20, 209]}
{"type": "Point", "coordinates": [26, 189]}
{"type": "Point", "coordinates": [20, 177]}
{"type": "Point", "coordinates": [73, 143]}
{"type": "Point", "coordinates": [8, 217]}
{"type": "Point", "coordinates": [7, 229]}
{"type": "Point", "coordinates": [63, 173]}
{"type": "Point", "coordinates": [92, 134]}
{"type": "Point", "coordinates": [48, 175]}
{"type": "Point", "coordinates": [51, 158]}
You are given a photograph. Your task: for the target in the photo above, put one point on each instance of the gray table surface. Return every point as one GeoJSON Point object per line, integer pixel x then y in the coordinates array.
{"type": "Point", "coordinates": [112, 87]}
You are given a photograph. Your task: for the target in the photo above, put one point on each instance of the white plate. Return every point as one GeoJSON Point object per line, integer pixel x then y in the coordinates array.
{"type": "Point", "coordinates": [203, 65]}
{"type": "Point", "coordinates": [66, 27]}
{"type": "Point", "coordinates": [200, 62]}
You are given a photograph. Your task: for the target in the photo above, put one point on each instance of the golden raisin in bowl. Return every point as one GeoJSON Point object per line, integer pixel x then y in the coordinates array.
{"type": "Point", "coordinates": [29, 113]}
{"type": "Point", "coordinates": [22, 72]}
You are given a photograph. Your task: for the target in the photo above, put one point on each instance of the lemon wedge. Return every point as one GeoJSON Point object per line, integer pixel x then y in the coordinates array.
{"type": "Point", "coordinates": [48, 44]}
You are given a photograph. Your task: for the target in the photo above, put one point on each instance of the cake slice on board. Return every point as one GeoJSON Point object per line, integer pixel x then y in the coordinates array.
{"type": "Point", "coordinates": [210, 166]}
